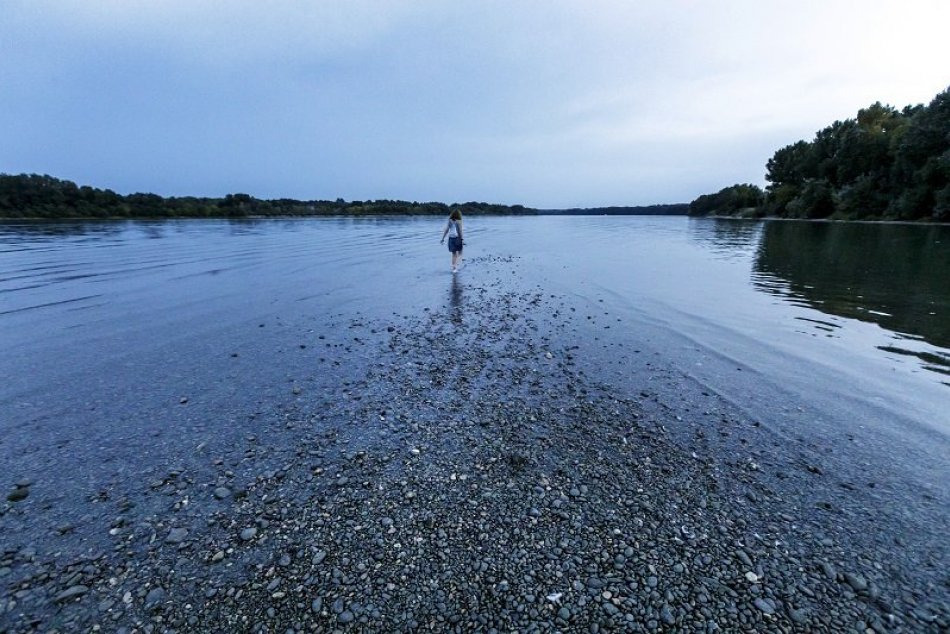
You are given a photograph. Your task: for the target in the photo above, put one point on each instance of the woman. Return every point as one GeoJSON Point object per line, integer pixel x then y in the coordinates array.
{"type": "Point", "coordinates": [454, 230]}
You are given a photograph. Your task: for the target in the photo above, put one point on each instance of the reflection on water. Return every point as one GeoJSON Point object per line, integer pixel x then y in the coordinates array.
{"type": "Point", "coordinates": [729, 239]}
{"type": "Point", "coordinates": [455, 300]}
{"type": "Point", "coordinates": [39, 230]}
{"type": "Point", "coordinates": [897, 276]}
{"type": "Point", "coordinates": [894, 275]}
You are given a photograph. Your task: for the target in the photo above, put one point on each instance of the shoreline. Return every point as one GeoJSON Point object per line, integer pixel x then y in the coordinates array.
{"type": "Point", "coordinates": [925, 223]}
{"type": "Point", "coordinates": [474, 467]}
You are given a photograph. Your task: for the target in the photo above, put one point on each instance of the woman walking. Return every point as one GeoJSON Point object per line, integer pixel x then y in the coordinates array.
{"type": "Point", "coordinates": [454, 230]}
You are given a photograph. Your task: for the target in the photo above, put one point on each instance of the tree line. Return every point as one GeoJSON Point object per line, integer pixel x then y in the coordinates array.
{"type": "Point", "coordinates": [676, 209]}
{"type": "Point", "coordinates": [883, 164]}
{"type": "Point", "coordinates": [46, 197]}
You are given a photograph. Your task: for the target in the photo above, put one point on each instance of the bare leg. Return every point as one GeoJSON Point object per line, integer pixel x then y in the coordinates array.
{"type": "Point", "coordinates": [455, 257]}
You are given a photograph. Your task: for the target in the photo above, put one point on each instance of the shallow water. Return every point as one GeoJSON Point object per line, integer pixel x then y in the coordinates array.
{"type": "Point", "coordinates": [92, 310]}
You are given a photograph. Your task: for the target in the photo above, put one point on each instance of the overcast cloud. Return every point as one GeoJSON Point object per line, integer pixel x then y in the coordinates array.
{"type": "Point", "coordinates": [549, 103]}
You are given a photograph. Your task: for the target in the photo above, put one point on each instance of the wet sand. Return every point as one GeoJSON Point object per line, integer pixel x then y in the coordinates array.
{"type": "Point", "coordinates": [500, 461]}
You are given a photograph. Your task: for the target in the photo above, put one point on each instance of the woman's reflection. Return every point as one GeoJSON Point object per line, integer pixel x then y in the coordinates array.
{"type": "Point", "coordinates": [455, 300]}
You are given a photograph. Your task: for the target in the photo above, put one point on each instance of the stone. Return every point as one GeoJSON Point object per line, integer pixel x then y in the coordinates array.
{"type": "Point", "coordinates": [71, 593]}
{"type": "Point", "coordinates": [248, 534]}
{"type": "Point", "coordinates": [764, 605]}
{"type": "Point", "coordinates": [222, 493]}
{"type": "Point", "coordinates": [154, 597]}
{"type": "Point", "coordinates": [176, 535]}
{"type": "Point", "coordinates": [856, 581]}
{"type": "Point", "coordinates": [667, 615]}
{"type": "Point", "coordinates": [18, 494]}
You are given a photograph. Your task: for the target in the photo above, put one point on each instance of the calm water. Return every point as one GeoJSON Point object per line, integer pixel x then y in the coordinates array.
{"type": "Point", "coordinates": [822, 309]}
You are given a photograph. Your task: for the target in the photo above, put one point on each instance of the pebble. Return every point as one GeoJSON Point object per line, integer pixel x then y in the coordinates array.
{"type": "Point", "coordinates": [248, 534]}
{"type": "Point", "coordinates": [176, 535]}
{"type": "Point", "coordinates": [744, 558]}
{"type": "Point", "coordinates": [71, 593]}
{"type": "Point", "coordinates": [798, 616]}
{"type": "Point", "coordinates": [765, 605]}
{"type": "Point", "coordinates": [154, 597]}
{"type": "Point", "coordinates": [667, 616]}
{"type": "Point", "coordinates": [856, 581]}
{"type": "Point", "coordinates": [18, 494]}
{"type": "Point", "coordinates": [222, 493]}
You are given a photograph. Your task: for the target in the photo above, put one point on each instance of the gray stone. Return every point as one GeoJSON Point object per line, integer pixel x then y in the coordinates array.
{"type": "Point", "coordinates": [666, 615]}
{"type": "Point", "coordinates": [744, 558]}
{"type": "Point", "coordinates": [18, 494]}
{"type": "Point", "coordinates": [71, 593]}
{"type": "Point", "coordinates": [856, 581]}
{"type": "Point", "coordinates": [564, 613]}
{"type": "Point", "coordinates": [154, 597]}
{"type": "Point", "coordinates": [248, 534]}
{"type": "Point", "coordinates": [222, 493]}
{"type": "Point", "coordinates": [765, 605]}
{"type": "Point", "coordinates": [176, 535]}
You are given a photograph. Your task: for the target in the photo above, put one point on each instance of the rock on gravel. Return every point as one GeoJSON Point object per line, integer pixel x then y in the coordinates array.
{"type": "Point", "coordinates": [71, 593]}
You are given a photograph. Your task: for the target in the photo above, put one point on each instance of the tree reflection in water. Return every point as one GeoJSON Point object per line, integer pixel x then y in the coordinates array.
{"type": "Point", "coordinates": [894, 275]}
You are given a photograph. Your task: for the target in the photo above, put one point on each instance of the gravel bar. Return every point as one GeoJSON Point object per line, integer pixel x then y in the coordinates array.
{"type": "Point", "coordinates": [478, 470]}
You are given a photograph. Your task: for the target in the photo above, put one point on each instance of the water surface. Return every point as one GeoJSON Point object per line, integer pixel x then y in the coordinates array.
{"type": "Point", "coordinates": [90, 309]}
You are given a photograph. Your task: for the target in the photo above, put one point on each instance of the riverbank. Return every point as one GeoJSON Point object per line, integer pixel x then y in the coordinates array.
{"type": "Point", "coordinates": [470, 466]}
{"type": "Point", "coordinates": [924, 222]}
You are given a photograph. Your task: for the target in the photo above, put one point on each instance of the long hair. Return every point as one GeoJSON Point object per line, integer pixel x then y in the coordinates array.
{"type": "Point", "coordinates": [455, 215]}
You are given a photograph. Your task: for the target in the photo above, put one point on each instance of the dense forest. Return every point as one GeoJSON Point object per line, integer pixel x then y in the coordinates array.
{"type": "Point", "coordinates": [679, 209]}
{"type": "Point", "coordinates": [884, 164]}
{"type": "Point", "coordinates": [34, 196]}
{"type": "Point", "coordinates": [46, 197]}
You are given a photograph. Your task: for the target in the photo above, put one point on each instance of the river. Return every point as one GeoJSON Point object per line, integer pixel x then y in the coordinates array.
{"type": "Point", "coordinates": [862, 311]}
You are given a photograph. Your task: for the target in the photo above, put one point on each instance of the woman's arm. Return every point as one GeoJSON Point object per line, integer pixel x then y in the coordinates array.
{"type": "Point", "coordinates": [445, 232]}
{"type": "Point", "coordinates": [459, 224]}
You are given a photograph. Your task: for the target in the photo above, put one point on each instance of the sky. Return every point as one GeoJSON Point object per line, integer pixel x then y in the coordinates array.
{"type": "Point", "coordinates": [548, 103]}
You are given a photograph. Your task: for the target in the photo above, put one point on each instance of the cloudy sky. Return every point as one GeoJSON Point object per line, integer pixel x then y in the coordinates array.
{"type": "Point", "coordinates": [548, 103]}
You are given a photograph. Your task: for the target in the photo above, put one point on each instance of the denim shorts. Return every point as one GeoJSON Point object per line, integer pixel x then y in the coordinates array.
{"type": "Point", "coordinates": [455, 245]}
